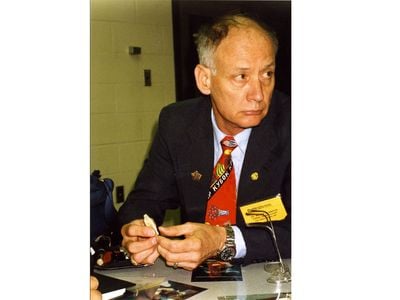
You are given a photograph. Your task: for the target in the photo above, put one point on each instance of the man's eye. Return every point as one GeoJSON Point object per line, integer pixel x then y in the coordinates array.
{"type": "Point", "coordinates": [240, 77]}
{"type": "Point", "coordinates": [268, 74]}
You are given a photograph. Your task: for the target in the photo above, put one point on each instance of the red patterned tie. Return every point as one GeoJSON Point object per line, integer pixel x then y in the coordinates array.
{"type": "Point", "coordinates": [221, 206]}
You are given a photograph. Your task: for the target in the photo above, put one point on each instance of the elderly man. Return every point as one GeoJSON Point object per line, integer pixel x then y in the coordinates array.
{"type": "Point", "coordinates": [242, 128]}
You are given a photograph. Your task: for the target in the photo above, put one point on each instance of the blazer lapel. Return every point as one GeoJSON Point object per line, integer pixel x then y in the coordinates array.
{"type": "Point", "coordinates": [200, 155]}
{"type": "Point", "coordinates": [260, 154]}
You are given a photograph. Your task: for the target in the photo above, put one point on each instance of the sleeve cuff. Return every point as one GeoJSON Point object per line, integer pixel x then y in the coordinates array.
{"type": "Point", "coordinates": [240, 244]}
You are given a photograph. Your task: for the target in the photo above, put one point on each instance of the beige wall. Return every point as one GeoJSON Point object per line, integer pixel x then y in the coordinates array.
{"type": "Point", "coordinates": [123, 110]}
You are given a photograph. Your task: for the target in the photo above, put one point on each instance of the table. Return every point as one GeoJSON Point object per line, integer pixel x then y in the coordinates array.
{"type": "Point", "coordinates": [254, 280]}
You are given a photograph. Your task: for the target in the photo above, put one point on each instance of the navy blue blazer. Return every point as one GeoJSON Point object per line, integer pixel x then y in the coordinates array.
{"type": "Point", "coordinates": [183, 144]}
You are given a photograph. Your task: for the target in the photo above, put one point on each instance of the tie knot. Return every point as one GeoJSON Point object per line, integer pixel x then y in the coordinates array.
{"type": "Point", "coordinates": [228, 143]}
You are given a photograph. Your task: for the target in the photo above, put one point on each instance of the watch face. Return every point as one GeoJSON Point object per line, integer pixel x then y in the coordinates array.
{"type": "Point", "coordinates": [227, 254]}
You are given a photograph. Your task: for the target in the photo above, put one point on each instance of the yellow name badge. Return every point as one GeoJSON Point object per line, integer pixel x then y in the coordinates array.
{"type": "Point", "coordinates": [273, 206]}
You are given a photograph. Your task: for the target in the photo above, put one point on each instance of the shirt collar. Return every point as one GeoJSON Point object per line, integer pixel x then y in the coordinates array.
{"type": "Point", "coordinates": [241, 138]}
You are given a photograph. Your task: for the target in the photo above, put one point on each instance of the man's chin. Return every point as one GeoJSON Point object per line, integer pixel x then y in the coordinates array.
{"type": "Point", "coordinates": [251, 122]}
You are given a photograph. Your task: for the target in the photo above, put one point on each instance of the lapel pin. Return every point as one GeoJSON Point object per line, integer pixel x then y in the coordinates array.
{"type": "Point", "coordinates": [254, 176]}
{"type": "Point", "coordinates": [196, 176]}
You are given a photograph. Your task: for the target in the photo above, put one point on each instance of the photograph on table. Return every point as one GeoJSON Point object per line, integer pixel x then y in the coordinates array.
{"type": "Point", "coordinates": [167, 290]}
{"type": "Point", "coordinates": [215, 270]}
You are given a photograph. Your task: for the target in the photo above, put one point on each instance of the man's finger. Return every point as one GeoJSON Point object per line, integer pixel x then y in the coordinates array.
{"type": "Point", "coordinates": [177, 246]}
{"type": "Point", "coordinates": [152, 257]}
{"type": "Point", "coordinates": [145, 257]}
{"type": "Point", "coordinates": [184, 265]}
{"type": "Point", "coordinates": [177, 230]}
{"type": "Point", "coordinates": [142, 245]}
{"type": "Point", "coordinates": [134, 230]}
{"type": "Point", "coordinates": [189, 257]}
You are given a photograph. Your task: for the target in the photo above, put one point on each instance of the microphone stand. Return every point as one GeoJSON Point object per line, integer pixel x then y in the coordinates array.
{"type": "Point", "coordinates": [281, 274]}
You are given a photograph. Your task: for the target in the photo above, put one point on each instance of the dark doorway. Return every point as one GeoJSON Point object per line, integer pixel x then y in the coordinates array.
{"type": "Point", "coordinates": [190, 14]}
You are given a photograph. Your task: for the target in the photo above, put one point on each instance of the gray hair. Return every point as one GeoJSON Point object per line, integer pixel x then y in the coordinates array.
{"type": "Point", "coordinates": [210, 36]}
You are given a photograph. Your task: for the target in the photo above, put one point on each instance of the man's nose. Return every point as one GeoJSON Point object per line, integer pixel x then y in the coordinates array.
{"type": "Point", "coordinates": [255, 90]}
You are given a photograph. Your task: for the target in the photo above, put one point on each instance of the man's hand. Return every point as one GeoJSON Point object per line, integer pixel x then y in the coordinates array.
{"type": "Point", "coordinates": [140, 241]}
{"type": "Point", "coordinates": [201, 242]}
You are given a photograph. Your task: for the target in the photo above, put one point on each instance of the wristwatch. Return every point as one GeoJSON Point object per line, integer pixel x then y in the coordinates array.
{"type": "Point", "coordinates": [228, 251]}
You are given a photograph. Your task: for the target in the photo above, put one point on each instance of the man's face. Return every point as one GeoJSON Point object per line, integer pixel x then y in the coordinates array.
{"type": "Point", "coordinates": [242, 85]}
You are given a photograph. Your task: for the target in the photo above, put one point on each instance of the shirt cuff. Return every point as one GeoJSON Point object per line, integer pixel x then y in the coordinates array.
{"type": "Point", "coordinates": [240, 244]}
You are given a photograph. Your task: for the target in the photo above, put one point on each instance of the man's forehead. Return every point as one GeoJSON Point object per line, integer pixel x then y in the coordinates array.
{"type": "Point", "coordinates": [244, 36]}
{"type": "Point", "coordinates": [242, 43]}
{"type": "Point", "coordinates": [244, 66]}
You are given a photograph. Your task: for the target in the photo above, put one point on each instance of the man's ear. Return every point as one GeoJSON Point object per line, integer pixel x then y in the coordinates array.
{"type": "Point", "coordinates": [203, 79]}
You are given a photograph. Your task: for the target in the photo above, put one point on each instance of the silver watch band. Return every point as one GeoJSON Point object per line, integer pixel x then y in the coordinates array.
{"type": "Point", "coordinates": [228, 251]}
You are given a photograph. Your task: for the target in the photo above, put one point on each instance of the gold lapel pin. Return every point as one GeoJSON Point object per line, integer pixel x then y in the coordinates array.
{"type": "Point", "coordinates": [196, 176]}
{"type": "Point", "coordinates": [254, 176]}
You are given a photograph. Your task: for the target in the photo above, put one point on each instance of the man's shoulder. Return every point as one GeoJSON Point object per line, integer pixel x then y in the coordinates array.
{"type": "Point", "coordinates": [278, 117]}
{"type": "Point", "coordinates": [188, 105]}
{"type": "Point", "coordinates": [192, 115]}
{"type": "Point", "coordinates": [281, 99]}
{"type": "Point", "coordinates": [280, 106]}
{"type": "Point", "coordinates": [187, 110]}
